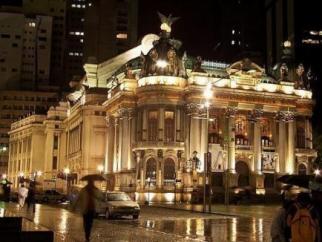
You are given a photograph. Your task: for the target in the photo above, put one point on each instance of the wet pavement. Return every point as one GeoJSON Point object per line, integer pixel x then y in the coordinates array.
{"type": "Point", "coordinates": [157, 224]}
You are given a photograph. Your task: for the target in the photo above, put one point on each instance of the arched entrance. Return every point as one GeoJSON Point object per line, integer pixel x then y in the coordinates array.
{"type": "Point", "coordinates": [169, 171]}
{"type": "Point", "coordinates": [302, 169]}
{"type": "Point", "coordinates": [151, 170]}
{"type": "Point", "coordinates": [243, 173]}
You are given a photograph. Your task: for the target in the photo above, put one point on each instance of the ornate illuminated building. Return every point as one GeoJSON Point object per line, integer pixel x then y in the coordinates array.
{"type": "Point", "coordinates": [155, 123]}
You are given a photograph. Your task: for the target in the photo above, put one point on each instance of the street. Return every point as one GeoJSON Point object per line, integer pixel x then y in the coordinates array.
{"type": "Point", "coordinates": [156, 224]}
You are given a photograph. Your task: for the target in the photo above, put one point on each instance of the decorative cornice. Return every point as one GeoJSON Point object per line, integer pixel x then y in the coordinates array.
{"type": "Point", "coordinates": [285, 116]}
{"type": "Point", "coordinates": [125, 113]}
{"type": "Point", "coordinates": [231, 111]}
{"type": "Point", "coordinates": [255, 114]}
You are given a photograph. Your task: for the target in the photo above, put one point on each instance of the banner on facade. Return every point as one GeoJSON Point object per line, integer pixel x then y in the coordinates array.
{"type": "Point", "coordinates": [269, 160]}
{"type": "Point", "coordinates": [217, 158]}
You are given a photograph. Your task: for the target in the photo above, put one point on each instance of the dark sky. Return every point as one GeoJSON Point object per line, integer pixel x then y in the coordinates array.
{"type": "Point", "coordinates": [205, 26]}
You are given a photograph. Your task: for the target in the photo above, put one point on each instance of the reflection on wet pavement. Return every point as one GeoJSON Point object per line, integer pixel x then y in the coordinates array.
{"type": "Point", "coordinates": [155, 224]}
{"type": "Point", "coordinates": [218, 229]}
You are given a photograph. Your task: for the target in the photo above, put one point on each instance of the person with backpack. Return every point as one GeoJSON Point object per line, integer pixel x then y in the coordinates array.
{"type": "Point", "coordinates": [280, 232]}
{"type": "Point", "coordinates": [302, 219]}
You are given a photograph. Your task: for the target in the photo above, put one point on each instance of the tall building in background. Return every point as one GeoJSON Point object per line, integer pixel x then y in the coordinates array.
{"type": "Point", "coordinates": [242, 31]}
{"type": "Point", "coordinates": [110, 28]}
{"type": "Point", "coordinates": [57, 10]}
{"type": "Point", "coordinates": [300, 24]}
{"type": "Point", "coordinates": [25, 50]}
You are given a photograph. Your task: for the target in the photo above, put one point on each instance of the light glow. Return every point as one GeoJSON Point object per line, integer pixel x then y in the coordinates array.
{"type": "Point", "coordinates": [317, 172]}
{"type": "Point", "coordinates": [162, 63]}
{"type": "Point", "coordinates": [66, 170]}
{"type": "Point", "coordinates": [100, 168]}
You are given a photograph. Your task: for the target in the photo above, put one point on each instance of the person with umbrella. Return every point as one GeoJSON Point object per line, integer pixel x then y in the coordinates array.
{"type": "Point", "coordinates": [31, 197]}
{"type": "Point", "coordinates": [86, 202]}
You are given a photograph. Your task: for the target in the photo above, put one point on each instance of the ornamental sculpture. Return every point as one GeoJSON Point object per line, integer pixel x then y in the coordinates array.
{"type": "Point", "coordinates": [164, 58]}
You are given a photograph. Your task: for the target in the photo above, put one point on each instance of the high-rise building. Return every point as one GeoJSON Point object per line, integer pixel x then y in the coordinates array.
{"type": "Point", "coordinates": [110, 28]}
{"type": "Point", "coordinates": [25, 49]}
{"type": "Point", "coordinates": [298, 25]}
{"type": "Point", "coordinates": [57, 10]}
{"type": "Point", "coordinates": [15, 105]}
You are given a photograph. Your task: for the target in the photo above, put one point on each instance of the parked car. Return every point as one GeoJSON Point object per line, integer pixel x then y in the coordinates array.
{"type": "Point", "coordinates": [50, 196]}
{"type": "Point", "coordinates": [118, 204]}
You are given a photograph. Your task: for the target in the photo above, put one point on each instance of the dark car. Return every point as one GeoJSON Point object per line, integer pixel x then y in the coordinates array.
{"type": "Point", "coordinates": [50, 196]}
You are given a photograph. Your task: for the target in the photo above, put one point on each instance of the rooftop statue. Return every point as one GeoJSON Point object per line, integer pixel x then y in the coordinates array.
{"type": "Point", "coordinates": [164, 58]}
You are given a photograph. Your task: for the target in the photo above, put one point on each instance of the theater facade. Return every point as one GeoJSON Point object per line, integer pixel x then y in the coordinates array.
{"type": "Point", "coordinates": [149, 116]}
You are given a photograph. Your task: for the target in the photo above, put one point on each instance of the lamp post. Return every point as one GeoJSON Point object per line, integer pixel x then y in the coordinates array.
{"type": "Point", "coordinates": [66, 172]}
{"type": "Point", "coordinates": [149, 182]}
{"type": "Point", "coordinates": [207, 95]}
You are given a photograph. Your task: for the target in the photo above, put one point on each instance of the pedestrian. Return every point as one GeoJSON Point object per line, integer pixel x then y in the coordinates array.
{"type": "Point", "coordinates": [31, 198]}
{"type": "Point", "coordinates": [316, 192]}
{"type": "Point", "coordinates": [279, 230]}
{"type": "Point", "coordinates": [6, 189]}
{"type": "Point", "coordinates": [86, 202]}
{"type": "Point", "coordinates": [22, 194]}
{"type": "Point", "coordinates": [302, 219]}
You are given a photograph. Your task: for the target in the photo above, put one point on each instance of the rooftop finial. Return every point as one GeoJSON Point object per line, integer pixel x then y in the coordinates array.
{"type": "Point", "coordinates": [166, 22]}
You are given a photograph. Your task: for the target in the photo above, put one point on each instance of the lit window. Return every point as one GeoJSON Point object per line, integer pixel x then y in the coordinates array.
{"type": "Point", "coordinates": [71, 53]}
{"type": "Point", "coordinates": [121, 36]}
{"type": "Point", "coordinates": [313, 32]}
{"type": "Point", "coordinates": [32, 24]}
{"type": "Point", "coordinates": [320, 32]}
{"type": "Point", "coordinates": [71, 33]}
{"type": "Point", "coordinates": [77, 33]}
{"type": "Point", "coordinates": [90, 4]}
{"type": "Point", "coordinates": [73, 5]}
{"type": "Point", "coordinates": [233, 31]}
{"type": "Point", "coordinates": [79, 6]}
{"type": "Point", "coordinates": [233, 42]}
{"type": "Point", "coordinates": [84, 6]}
{"type": "Point", "coordinates": [82, 19]}
{"type": "Point", "coordinates": [81, 40]}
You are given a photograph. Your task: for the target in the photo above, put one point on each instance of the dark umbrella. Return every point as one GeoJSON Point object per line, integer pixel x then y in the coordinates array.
{"type": "Point", "coordinates": [31, 182]}
{"type": "Point", "coordinates": [296, 180]}
{"type": "Point", "coordinates": [93, 177]}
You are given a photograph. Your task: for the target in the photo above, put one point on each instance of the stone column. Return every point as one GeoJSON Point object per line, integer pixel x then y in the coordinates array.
{"type": "Point", "coordinates": [194, 130]}
{"type": "Point", "coordinates": [161, 125]}
{"type": "Point", "coordinates": [290, 166]}
{"type": "Point", "coordinates": [281, 145]}
{"type": "Point", "coordinates": [115, 158]}
{"type": "Point", "coordinates": [308, 134]}
{"type": "Point", "coordinates": [178, 137]}
{"type": "Point", "coordinates": [257, 144]}
{"type": "Point", "coordinates": [144, 126]}
{"type": "Point", "coordinates": [230, 114]}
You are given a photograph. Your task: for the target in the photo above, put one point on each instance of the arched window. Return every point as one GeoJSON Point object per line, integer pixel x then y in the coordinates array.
{"type": "Point", "coordinates": [153, 126]}
{"type": "Point", "coordinates": [169, 170]}
{"type": "Point", "coordinates": [169, 129]}
{"type": "Point", "coordinates": [151, 169]}
{"type": "Point", "coordinates": [241, 131]}
{"type": "Point", "coordinates": [302, 169]}
{"type": "Point", "coordinates": [266, 133]}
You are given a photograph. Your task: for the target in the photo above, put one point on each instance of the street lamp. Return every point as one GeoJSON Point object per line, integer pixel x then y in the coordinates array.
{"type": "Point", "coordinates": [149, 183]}
{"type": "Point", "coordinates": [207, 95]}
{"type": "Point", "coordinates": [66, 172]}
{"type": "Point", "coordinates": [317, 172]}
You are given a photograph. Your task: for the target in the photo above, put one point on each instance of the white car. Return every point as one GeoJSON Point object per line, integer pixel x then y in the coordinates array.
{"type": "Point", "coordinates": [118, 204]}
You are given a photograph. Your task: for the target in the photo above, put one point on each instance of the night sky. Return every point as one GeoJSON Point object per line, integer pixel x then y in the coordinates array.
{"type": "Point", "coordinates": [203, 25]}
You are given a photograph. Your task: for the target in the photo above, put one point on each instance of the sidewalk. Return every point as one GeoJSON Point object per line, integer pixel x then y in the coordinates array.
{"type": "Point", "coordinates": [256, 211]}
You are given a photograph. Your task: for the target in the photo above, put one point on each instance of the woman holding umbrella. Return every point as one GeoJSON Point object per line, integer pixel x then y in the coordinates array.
{"type": "Point", "coordinates": [86, 202]}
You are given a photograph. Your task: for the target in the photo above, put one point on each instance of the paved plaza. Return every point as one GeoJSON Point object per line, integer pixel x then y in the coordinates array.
{"type": "Point", "coordinates": [158, 224]}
